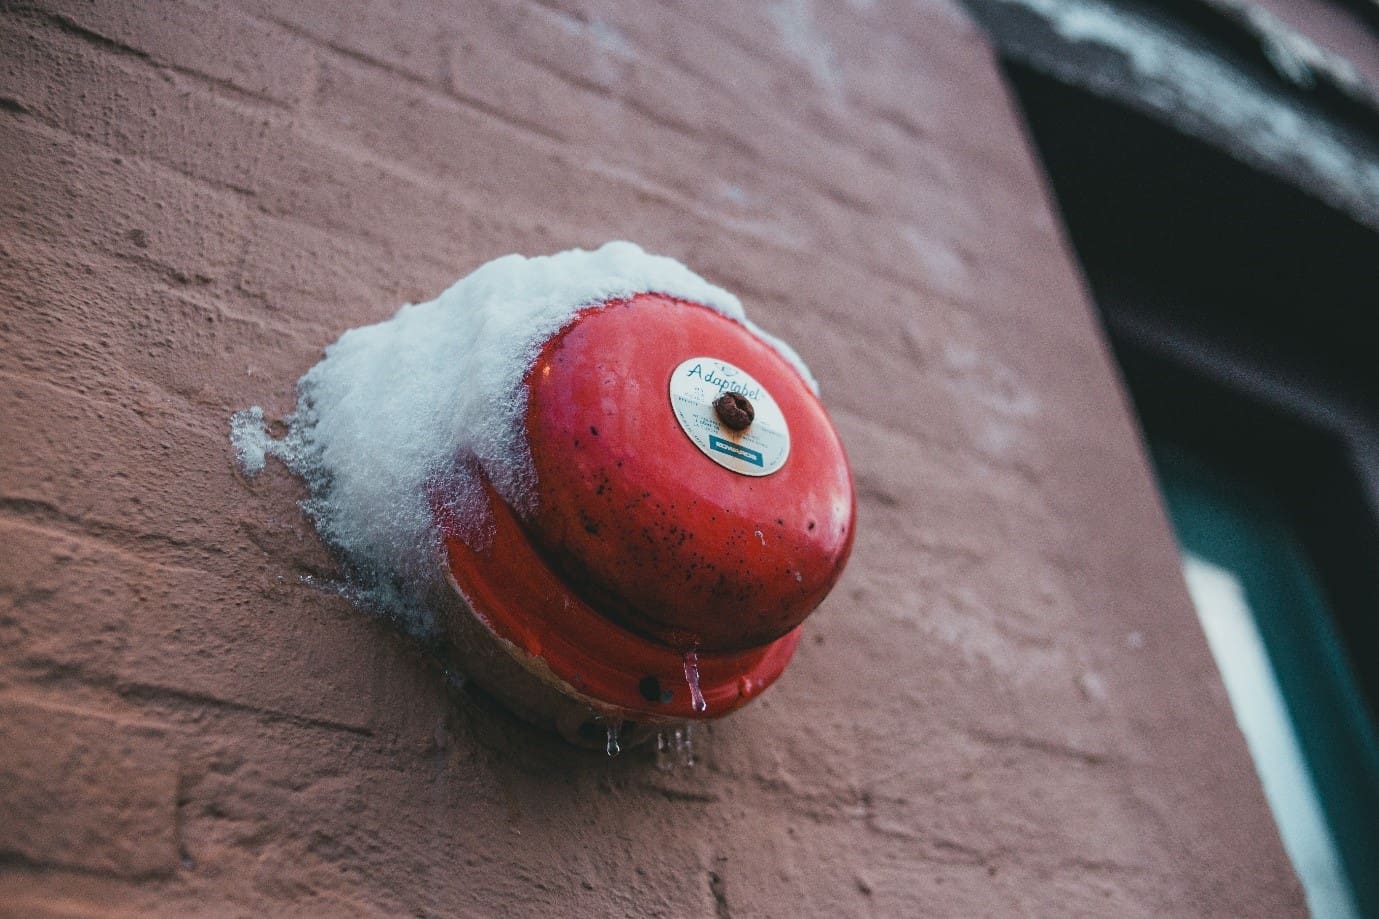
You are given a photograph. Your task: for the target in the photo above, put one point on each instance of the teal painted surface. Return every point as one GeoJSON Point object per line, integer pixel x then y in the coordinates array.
{"type": "Point", "coordinates": [1242, 529]}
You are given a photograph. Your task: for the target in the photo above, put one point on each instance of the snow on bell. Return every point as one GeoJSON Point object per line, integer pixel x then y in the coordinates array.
{"type": "Point", "coordinates": [691, 505]}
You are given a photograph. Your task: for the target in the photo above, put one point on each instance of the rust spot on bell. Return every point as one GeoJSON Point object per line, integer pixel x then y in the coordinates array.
{"type": "Point", "coordinates": [734, 410]}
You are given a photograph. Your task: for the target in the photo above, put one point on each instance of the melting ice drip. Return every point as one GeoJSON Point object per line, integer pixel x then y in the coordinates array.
{"type": "Point", "coordinates": [613, 748]}
{"type": "Point", "coordinates": [697, 701]}
{"type": "Point", "coordinates": [675, 747]}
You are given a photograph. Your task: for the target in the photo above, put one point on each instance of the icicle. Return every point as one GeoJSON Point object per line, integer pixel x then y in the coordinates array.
{"type": "Point", "coordinates": [674, 748]}
{"type": "Point", "coordinates": [664, 762]}
{"type": "Point", "coordinates": [685, 744]}
{"type": "Point", "coordinates": [613, 748]}
{"type": "Point", "coordinates": [697, 701]}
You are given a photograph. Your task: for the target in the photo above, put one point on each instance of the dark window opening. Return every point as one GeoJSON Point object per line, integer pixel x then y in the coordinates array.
{"type": "Point", "coordinates": [1244, 315]}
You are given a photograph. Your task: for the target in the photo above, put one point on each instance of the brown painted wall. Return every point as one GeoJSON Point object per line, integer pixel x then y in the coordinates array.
{"type": "Point", "coordinates": [1005, 708]}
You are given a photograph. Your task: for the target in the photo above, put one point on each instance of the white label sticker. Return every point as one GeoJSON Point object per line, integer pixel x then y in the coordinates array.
{"type": "Point", "coordinates": [760, 448]}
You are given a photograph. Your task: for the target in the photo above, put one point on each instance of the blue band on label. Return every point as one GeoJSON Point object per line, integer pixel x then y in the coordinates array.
{"type": "Point", "coordinates": [735, 450]}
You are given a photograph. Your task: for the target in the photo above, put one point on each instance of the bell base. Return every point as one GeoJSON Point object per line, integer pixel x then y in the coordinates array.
{"type": "Point", "coordinates": [493, 665]}
{"type": "Point", "coordinates": [529, 639]}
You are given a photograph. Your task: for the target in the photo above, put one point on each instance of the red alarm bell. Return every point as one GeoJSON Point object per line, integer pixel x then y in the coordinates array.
{"type": "Point", "coordinates": [692, 505]}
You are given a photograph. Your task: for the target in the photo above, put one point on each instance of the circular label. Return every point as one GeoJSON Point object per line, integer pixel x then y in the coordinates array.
{"type": "Point", "coordinates": [760, 448]}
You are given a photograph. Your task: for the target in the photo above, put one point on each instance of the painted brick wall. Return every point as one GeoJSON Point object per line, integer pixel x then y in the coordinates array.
{"type": "Point", "coordinates": [1005, 708]}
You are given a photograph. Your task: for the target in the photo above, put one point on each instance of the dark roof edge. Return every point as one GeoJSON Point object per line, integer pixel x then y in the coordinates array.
{"type": "Point", "coordinates": [1217, 71]}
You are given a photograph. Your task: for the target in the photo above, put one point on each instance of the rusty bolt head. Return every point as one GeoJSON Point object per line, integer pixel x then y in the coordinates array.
{"type": "Point", "coordinates": [734, 410]}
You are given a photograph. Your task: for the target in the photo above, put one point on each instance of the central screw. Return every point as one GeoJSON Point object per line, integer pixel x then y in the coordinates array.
{"type": "Point", "coordinates": [734, 410]}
